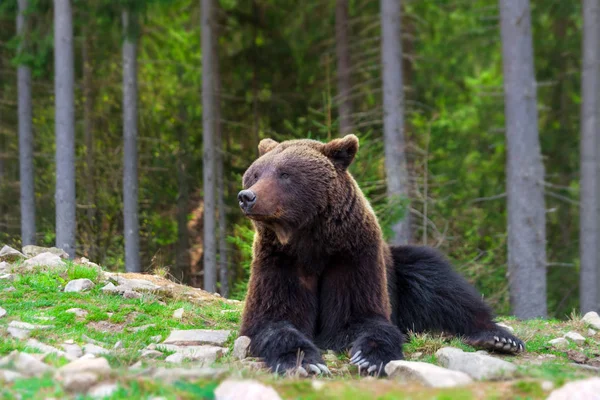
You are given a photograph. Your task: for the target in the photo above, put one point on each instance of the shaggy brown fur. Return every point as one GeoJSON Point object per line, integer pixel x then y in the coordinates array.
{"type": "Point", "coordinates": [321, 269]}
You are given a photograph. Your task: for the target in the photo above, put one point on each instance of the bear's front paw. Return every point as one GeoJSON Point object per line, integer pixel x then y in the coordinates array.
{"type": "Point", "coordinates": [302, 363]}
{"type": "Point", "coordinates": [499, 340]}
{"type": "Point", "coordinates": [372, 356]}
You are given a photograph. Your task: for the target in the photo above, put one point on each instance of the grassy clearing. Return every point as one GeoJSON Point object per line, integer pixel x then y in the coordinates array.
{"type": "Point", "coordinates": [37, 298]}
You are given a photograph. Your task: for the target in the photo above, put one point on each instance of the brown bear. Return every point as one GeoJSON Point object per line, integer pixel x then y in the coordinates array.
{"type": "Point", "coordinates": [323, 277]}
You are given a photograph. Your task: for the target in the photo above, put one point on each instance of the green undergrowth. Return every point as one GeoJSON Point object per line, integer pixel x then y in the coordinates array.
{"type": "Point", "coordinates": [36, 297]}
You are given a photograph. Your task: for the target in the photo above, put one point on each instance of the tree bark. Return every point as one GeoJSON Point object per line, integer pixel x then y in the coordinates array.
{"type": "Point", "coordinates": [342, 49]}
{"type": "Point", "coordinates": [130, 173]}
{"type": "Point", "coordinates": [525, 169]}
{"type": "Point", "coordinates": [393, 113]}
{"type": "Point", "coordinates": [25, 136]}
{"type": "Point", "coordinates": [590, 125]}
{"type": "Point", "coordinates": [64, 126]}
{"type": "Point", "coordinates": [208, 137]}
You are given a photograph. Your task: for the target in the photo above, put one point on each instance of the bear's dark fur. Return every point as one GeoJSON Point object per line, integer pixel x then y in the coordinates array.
{"type": "Point", "coordinates": [323, 277]}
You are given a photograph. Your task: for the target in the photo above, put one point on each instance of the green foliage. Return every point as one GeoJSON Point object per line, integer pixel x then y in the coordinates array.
{"type": "Point", "coordinates": [243, 238]}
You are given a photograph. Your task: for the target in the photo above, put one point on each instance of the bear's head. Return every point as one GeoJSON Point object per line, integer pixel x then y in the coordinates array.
{"type": "Point", "coordinates": [292, 182]}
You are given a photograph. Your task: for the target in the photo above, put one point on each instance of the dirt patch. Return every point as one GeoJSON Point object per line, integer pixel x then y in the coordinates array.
{"type": "Point", "coordinates": [105, 326]}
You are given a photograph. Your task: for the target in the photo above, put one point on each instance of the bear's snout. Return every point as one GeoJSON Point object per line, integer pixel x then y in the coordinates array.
{"type": "Point", "coordinates": [247, 199]}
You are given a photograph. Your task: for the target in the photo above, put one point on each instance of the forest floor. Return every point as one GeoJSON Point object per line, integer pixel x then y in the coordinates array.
{"type": "Point", "coordinates": [34, 319]}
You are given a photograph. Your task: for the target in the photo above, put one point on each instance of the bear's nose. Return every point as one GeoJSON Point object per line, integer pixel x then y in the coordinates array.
{"type": "Point", "coordinates": [247, 198]}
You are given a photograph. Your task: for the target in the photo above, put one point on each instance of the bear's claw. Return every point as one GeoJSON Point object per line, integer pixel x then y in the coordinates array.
{"type": "Point", "coordinates": [497, 340]}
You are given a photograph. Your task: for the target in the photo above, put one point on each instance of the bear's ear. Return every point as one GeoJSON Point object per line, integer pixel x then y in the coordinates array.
{"type": "Point", "coordinates": [342, 151]}
{"type": "Point", "coordinates": [266, 145]}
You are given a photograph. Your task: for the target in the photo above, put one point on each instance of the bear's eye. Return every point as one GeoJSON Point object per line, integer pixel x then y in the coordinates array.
{"type": "Point", "coordinates": [284, 175]}
{"type": "Point", "coordinates": [255, 176]}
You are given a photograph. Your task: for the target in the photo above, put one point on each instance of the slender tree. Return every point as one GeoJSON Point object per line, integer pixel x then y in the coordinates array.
{"type": "Point", "coordinates": [525, 170]}
{"type": "Point", "coordinates": [393, 113]}
{"type": "Point", "coordinates": [208, 137]}
{"type": "Point", "coordinates": [25, 136]}
{"type": "Point", "coordinates": [64, 126]}
{"type": "Point", "coordinates": [590, 131]}
{"type": "Point", "coordinates": [130, 173]}
{"type": "Point", "coordinates": [342, 48]}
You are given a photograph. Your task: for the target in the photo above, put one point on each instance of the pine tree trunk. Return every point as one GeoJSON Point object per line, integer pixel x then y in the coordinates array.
{"type": "Point", "coordinates": [342, 49]}
{"type": "Point", "coordinates": [525, 170]}
{"type": "Point", "coordinates": [130, 174]}
{"type": "Point", "coordinates": [393, 113]}
{"type": "Point", "coordinates": [25, 137]}
{"type": "Point", "coordinates": [208, 137]}
{"type": "Point", "coordinates": [64, 127]}
{"type": "Point", "coordinates": [590, 125]}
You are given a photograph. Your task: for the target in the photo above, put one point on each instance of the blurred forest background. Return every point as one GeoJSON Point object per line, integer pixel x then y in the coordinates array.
{"type": "Point", "coordinates": [287, 69]}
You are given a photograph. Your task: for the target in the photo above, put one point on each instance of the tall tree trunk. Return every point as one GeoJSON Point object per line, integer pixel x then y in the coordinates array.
{"type": "Point", "coordinates": [208, 137]}
{"type": "Point", "coordinates": [64, 126]}
{"type": "Point", "coordinates": [219, 161]}
{"type": "Point", "coordinates": [342, 49]}
{"type": "Point", "coordinates": [525, 170]}
{"type": "Point", "coordinates": [590, 125]}
{"type": "Point", "coordinates": [393, 113]}
{"type": "Point", "coordinates": [182, 256]}
{"type": "Point", "coordinates": [88, 136]}
{"type": "Point", "coordinates": [25, 137]}
{"type": "Point", "coordinates": [130, 174]}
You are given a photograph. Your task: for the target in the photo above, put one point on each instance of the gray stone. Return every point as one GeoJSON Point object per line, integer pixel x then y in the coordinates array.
{"type": "Point", "coordinates": [73, 350]}
{"type": "Point", "coordinates": [8, 254]}
{"type": "Point", "coordinates": [44, 260]}
{"type": "Point", "coordinates": [32, 251]}
{"type": "Point", "coordinates": [559, 343]}
{"type": "Point", "coordinates": [197, 337]}
{"type": "Point", "coordinates": [152, 354]}
{"type": "Point", "coordinates": [138, 285]}
{"type": "Point", "coordinates": [156, 339]}
{"type": "Point", "coordinates": [79, 285]}
{"type": "Point", "coordinates": [586, 389]}
{"type": "Point", "coordinates": [26, 364]}
{"type": "Point", "coordinates": [240, 347]}
{"type": "Point", "coordinates": [79, 382]}
{"type": "Point", "coordinates": [8, 376]}
{"type": "Point", "coordinates": [575, 338]}
{"type": "Point", "coordinates": [477, 366]}
{"type": "Point", "coordinates": [118, 345]}
{"type": "Point", "coordinates": [103, 390]}
{"type": "Point", "coordinates": [130, 294]}
{"type": "Point", "coordinates": [90, 348]}
{"type": "Point", "coordinates": [84, 261]}
{"type": "Point", "coordinates": [4, 267]}
{"type": "Point", "coordinates": [2, 312]}
{"type": "Point", "coordinates": [592, 319]}
{"type": "Point", "coordinates": [79, 312]}
{"type": "Point", "coordinates": [244, 389]}
{"type": "Point", "coordinates": [19, 333]}
{"type": "Point", "coordinates": [94, 365]}
{"type": "Point", "coordinates": [8, 277]}
{"type": "Point", "coordinates": [176, 358]}
{"type": "Point", "coordinates": [47, 349]}
{"type": "Point", "coordinates": [171, 375]}
{"type": "Point", "coordinates": [427, 374]}
{"type": "Point", "coordinates": [178, 314]}
{"type": "Point", "coordinates": [205, 355]}
{"type": "Point", "coordinates": [110, 288]}
{"type": "Point", "coordinates": [28, 326]}
{"type": "Point", "coordinates": [140, 328]}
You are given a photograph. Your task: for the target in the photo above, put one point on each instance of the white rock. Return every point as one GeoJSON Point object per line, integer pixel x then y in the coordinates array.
{"type": "Point", "coordinates": [80, 381]}
{"type": "Point", "coordinates": [151, 354]}
{"type": "Point", "coordinates": [79, 312]}
{"type": "Point", "coordinates": [25, 364]}
{"type": "Point", "coordinates": [178, 314]}
{"type": "Point", "coordinates": [592, 319]}
{"type": "Point", "coordinates": [109, 288]}
{"type": "Point", "coordinates": [125, 284]}
{"type": "Point", "coordinates": [97, 366]}
{"type": "Point", "coordinates": [47, 349]}
{"type": "Point", "coordinates": [32, 251]}
{"type": "Point", "coordinates": [4, 267]}
{"type": "Point", "coordinates": [9, 376]}
{"type": "Point", "coordinates": [28, 326]}
{"type": "Point", "coordinates": [547, 386]}
{"type": "Point", "coordinates": [318, 385]}
{"type": "Point", "coordinates": [2, 312]}
{"type": "Point", "coordinates": [45, 260]}
{"type": "Point", "coordinates": [477, 366]}
{"type": "Point", "coordinates": [587, 389]}
{"type": "Point", "coordinates": [73, 350]}
{"type": "Point", "coordinates": [575, 338]}
{"type": "Point", "coordinates": [156, 339]}
{"type": "Point", "coordinates": [79, 285]}
{"type": "Point", "coordinates": [559, 343]}
{"type": "Point", "coordinates": [9, 254]}
{"type": "Point", "coordinates": [508, 328]}
{"type": "Point", "coordinates": [103, 390]}
{"type": "Point", "coordinates": [19, 333]}
{"type": "Point", "coordinates": [245, 389]}
{"type": "Point", "coordinates": [118, 345]}
{"type": "Point", "coordinates": [197, 337]}
{"type": "Point", "coordinates": [130, 294]}
{"type": "Point", "coordinates": [416, 355]}
{"type": "Point", "coordinates": [240, 347]}
{"type": "Point", "coordinates": [204, 355]}
{"type": "Point", "coordinates": [140, 328]}
{"type": "Point", "coordinates": [90, 348]}
{"type": "Point", "coordinates": [426, 374]}
{"type": "Point", "coordinates": [175, 358]}
{"type": "Point", "coordinates": [8, 277]}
